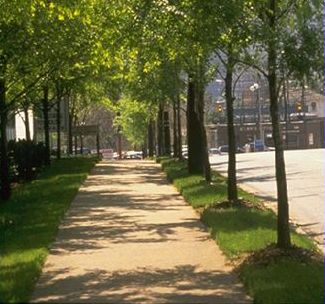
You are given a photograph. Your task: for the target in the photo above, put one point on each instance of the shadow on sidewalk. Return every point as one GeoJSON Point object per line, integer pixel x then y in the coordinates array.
{"type": "Point", "coordinates": [182, 284]}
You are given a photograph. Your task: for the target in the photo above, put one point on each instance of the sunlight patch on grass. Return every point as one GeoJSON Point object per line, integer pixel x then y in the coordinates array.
{"type": "Point", "coordinates": [241, 230]}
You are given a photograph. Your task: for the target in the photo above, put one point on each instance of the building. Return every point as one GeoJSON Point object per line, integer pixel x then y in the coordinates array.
{"type": "Point", "coordinates": [16, 128]}
{"type": "Point", "coordinates": [300, 134]}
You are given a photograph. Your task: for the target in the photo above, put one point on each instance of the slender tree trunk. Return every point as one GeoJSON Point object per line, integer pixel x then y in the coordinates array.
{"type": "Point", "coordinates": [285, 104]}
{"type": "Point", "coordinates": [154, 137]}
{"type": "Point", "coordinates": [166, 127]}
{"type": "Point", "coordinates": [75, 145]}
{"type": "Point", "coordinates": [58, 120]}
{"type": "Point", "coordinates": [200, 112]}
{"type": "Point", "coordinates": [70, 137]}
{"type": "Point", "coordinates": [98, 144]}
{"type": "Point", "coordinates": [119, 143]}
{"type": "Point", "coordinates": [45, 109]}
{"type": "Point", "coordinates": [283, 231]}
{"type": "Point", "coordinates": [81, 145]}
{"type": "Point", "coordinates": [179, 127]}
{"type": "Point", "coordinates": [75, 120]}
{"type": "Point", "coordinates": [4, 159]}
{"type": "Point", "coordinates": [232, 180]}
{"type": "Point", "coordinates": [194, 133]}
{"type": "Point", "coordinates": [70, 140]}
{"type": "Point", "coordinates": [26, 122]}
{"type": "Point", "coordinates": [175, 132]}
{"type": "Point", "coordinates": [144, 148]}
{"type": "Point", "coordinates": [150, 139]}
{"type": "Point", "coordinates": [160, 131]}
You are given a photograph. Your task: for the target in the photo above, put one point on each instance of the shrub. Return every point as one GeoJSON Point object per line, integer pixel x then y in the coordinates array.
{"type": "Point", "coordinates": [27, 157]}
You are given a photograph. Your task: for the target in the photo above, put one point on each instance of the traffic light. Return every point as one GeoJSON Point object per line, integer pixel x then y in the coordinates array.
{"type": "Point", "coordinates": [299, 107]}
{"type": "Point", "coordinates": [219, 109]}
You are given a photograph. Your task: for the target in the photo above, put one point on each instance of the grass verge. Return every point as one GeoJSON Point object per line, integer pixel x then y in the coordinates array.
{"type": "Point", "coordinates": [29, 223]}
{"type": "Point", "coordinates": [242, 232]}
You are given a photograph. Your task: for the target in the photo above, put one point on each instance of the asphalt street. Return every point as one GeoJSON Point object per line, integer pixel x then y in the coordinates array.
{"type": "Point", "coordinates": [305, 176]}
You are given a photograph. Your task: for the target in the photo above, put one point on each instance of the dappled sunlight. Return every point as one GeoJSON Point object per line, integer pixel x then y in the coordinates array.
{"type": "Point", "coordinates": [181, 284]}
{"type": "Point", "coordinates": [129, 236]}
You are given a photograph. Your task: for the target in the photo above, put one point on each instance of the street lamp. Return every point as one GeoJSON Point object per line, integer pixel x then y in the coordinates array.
{"type": "Point", "coordinates": [255, 87]}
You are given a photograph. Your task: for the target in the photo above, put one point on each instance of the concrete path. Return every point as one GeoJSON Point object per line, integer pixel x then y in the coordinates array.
{"type": "Point", "coordinates": [129, 237]}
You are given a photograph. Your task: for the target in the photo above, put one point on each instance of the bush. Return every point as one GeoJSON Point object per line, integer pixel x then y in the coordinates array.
{"type": "Point", "coordinates": [27, 157]}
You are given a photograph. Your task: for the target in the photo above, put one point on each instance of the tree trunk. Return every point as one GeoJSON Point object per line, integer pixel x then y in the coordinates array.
{"type": "Point", "coordinates": [58, 120]}
{"type": "Point", "coordinates": [119, 142]}
{"type": "Point", "coordinates": [98, 144]}
{"type": "Point", "coordinates": [200, 112]}
{"type": "Point", "coordinates": [144, 148]}
{"type": "Point", "coordinates": [166, 133]}
{"type": "Point", "coordinates": [154, 137]}
{"type": "Point", "coordinates": [283, 230]}
{"type": "Point", "coordinates": [179, 127]}
{"type": "Point", "coordinates": [4, 159]}
{"type": "Point", "coordinates": [160, 131]}
{"type": "Point", "coordinates": [70, 137]}
{"type": "Point", "coordinates": [81, 144]}
{"type": "Point", "coordinates": [75, 121]}
{"type": "Point", "coordinates": [75, 145]}
{"type": "Point", "coordinates": [285, 104]}
{"type": "Point", "coordinates": [45, 109]}
{"type": "Point", "coordinates": [150, 139]}
{"type": "Point", "coordinates": [232, 180]}
{"type": "Point", "coordinates": [194, 133]}
{"type": "Point", "coordinates": [175, 132]}
{"type": "Point", "coordinates": [26, 122]}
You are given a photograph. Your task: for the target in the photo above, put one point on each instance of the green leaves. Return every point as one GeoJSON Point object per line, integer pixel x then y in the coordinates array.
{"type": "Point", "coordinates": [133, 117]}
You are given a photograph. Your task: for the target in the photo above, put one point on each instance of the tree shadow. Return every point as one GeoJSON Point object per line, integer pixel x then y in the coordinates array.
{"type": "Point", "coordinates": [105, 213]}
{"type": "Point", "coordinates": [180, 284]}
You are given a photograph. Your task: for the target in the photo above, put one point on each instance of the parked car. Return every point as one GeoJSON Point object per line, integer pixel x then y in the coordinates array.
{"type": "Point", "coordinates": [107, 153]}
{"type": "Point", "coordinates": [225, 149]}
{"type": "Point", "coordinates": [214, 151]}
{"type": "Point", "coordinates": [133, 155]}
{"type": "Point", "coordinates": [250, 147]}
{"type": "Point", "coordinates": [85, 151]}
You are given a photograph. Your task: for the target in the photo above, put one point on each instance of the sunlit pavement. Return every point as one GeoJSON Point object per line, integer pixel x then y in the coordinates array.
{"type": "Point", "coordinates": [129, 237]}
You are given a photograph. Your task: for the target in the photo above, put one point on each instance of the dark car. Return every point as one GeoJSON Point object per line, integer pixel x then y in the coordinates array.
{"type": "Point", "coordinates": [225, 149]}
{"type": "Point", "coordinates": [214, 151]}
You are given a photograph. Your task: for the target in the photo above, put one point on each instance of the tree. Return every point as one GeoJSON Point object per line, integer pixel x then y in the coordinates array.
{"type": "Point", "coordinates": [133, 119]}
{"type": "Point", "coordinates": [15, 45]}
{"type": "Point", "coordinates": [233, 40]}
{"type": "Point", "coordinates": [34, 43]}
{"type": "Point", "coordinates": [280, 27]}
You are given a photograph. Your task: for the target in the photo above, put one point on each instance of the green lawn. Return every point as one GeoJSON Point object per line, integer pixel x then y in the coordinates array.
{"type": "Point", "coordinates": [29, 223]}
{"type": "Point", "coordinates": [285, 281]}
{"type": "Point", "coordinates": [241, 231]}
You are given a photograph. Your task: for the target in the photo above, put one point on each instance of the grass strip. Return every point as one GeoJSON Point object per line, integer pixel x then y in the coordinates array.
{"type": "Point", "coordinates": [240, 232]}
{"type": "Point", "coordinates": [29, 222]}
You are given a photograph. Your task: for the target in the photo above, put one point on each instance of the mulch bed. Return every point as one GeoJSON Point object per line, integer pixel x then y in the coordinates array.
{"type": "Point", "coordinates": [238, 204]}
{"type": "Point", "coordinates": [272, 253]}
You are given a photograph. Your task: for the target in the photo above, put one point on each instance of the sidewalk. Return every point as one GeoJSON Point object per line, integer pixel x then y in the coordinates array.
{"type": "Point", "coordinates": [129, 237]}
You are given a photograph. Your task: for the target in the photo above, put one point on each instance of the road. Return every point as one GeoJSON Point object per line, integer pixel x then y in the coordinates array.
{"type": "Point", "coordinates": [305, 176]}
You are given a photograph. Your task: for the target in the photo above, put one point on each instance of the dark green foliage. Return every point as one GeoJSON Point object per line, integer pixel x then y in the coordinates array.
{"type": "Point", "coordinates": [27, 157]}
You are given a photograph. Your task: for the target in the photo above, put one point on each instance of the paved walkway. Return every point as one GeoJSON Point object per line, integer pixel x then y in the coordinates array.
{"type": "Point", "coordinates": [129, 237]}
